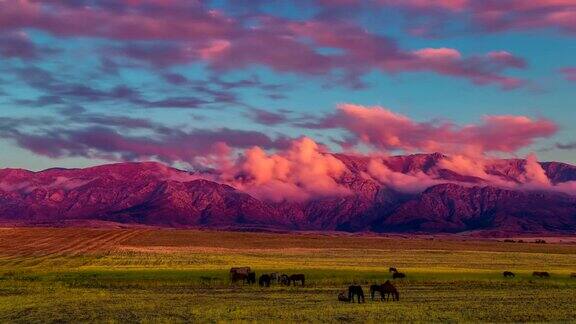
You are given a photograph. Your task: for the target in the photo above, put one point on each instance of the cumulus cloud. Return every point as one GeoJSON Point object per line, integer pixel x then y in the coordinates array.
{"type": "Point", "coordinates": [404, 182]}
{"type": "Point", "coordinates": [385, 129]}
{"type": "Point", "coordinates": [298, 173]}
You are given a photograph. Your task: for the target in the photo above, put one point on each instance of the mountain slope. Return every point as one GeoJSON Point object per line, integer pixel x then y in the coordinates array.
{"type": "Point", "coordinates": [154, 194]}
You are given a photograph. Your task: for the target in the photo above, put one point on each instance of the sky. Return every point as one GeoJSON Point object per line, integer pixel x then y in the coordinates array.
{"type": "Point", "coordinates": [196, 84]}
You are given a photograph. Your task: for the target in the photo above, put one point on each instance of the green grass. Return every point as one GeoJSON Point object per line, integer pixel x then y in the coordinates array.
{"type": "Point", "coordinates": [182, 276]}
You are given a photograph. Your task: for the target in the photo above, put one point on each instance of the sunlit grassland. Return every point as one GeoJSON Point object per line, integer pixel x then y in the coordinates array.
{"type": "Point", "coordinates": [166, 275]}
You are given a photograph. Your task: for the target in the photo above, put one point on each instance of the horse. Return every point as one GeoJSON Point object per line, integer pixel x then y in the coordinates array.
{"type": "Point", "coordinates": [386, 290]}
{"type": "Point", "coordinates": [296, 277]}
{"type": "Point", "coordinates": [251, 278]}
{"type": "Point", "coordinates": [355, 290]}
{"type": "Point", "coordinates": [236, 276]}
{"type": "Point", "coordinates": [573, 275]}
{"type": "Point", "coordinates": [242, 270]}
{"type": "Point", "coordinates": [374, 289]}
{"type": "Point", "coordinates": [389, 290]}
{"type": "Point", "coordinates": [264, 280]}
{"type": "Point", "coordinates": [392, 269]}
{"type": "Point", "coordinates": [398, 275]}
{"type": "Point", "coordinates": [541, 274]}
{"type": "Point", "coordinates": [343, 297]}
{"type": "Point", "coordinates": [274, 276]}
{"type": "Point", "coordinates": [284, 280]}
{"type": "Point", "coordinates": [508, 274]}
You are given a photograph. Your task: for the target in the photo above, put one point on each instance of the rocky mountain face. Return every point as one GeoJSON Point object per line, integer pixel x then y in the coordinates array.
{"type": "Point", "coordinates": [153, 194]}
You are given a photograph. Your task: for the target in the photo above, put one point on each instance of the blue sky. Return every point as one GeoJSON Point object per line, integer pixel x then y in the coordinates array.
{"type": "Point", "coordinates": [90, 82]}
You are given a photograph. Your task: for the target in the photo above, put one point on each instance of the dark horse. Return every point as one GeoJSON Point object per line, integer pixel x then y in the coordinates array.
{"type": "Point", "coordinates": [264, 280]}
{"type": "Point", "coordinates": [508, 274]}
{"type": "Point", "coordinates": [386, 290]}
{"type": "Point", "coordinates": [249, 278]}
{"type": "Point", "coordinates": [392, 269]}
{"type": "Point", "coordinates": [252, 278]}
{"type": "Point", "coordinates": [284, 280]}
{"type": "Point", "coordinates": [541, 274]}
{"type": "Point", "coordinates": [236, 276]}
{"type": "Point", "coordinates": [355, 290]}
{"type": "Point", "coordinates": [296, 277]}
{"type": "Point", "coordinates": [398, 275]}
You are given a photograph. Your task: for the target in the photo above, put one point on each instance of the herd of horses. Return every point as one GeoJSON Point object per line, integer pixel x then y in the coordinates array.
{"type": "Point", "coordinates": [247, 276]}
{"type": "Point", "coordinates": [386, 290]}
{"type": "Point", "coordinates": [539, 274]}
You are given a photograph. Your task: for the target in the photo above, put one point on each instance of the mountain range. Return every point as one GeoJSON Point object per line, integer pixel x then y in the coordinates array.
{"type": "Point", "coordinates": [153, 194]}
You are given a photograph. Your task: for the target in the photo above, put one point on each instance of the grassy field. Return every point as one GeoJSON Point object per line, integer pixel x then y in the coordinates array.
{"type": "Point", "coordinates": [135, 275]}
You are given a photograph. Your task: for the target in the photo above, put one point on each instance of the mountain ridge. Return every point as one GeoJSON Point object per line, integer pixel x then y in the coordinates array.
{"type": "Point", "coordinates": [153, 194]}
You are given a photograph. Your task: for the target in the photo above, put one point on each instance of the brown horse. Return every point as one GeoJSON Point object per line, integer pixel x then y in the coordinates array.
{"type": "Point", "coordinates": [355, 290]}
{"type": "Point", "coordinates": [249, 278]}
{"type": "Point", "coordinates": [374, 289]}
{"type": "Point", "coordinates": [541, 274]}
{"type": "Point", "coordinates": [296, 277]}
{"type": "Point", "coordinates": [573, 275]}
{"type": "Point", "coordinates": [508, 274]}
{"type": "Point", "coordinates": [237, 276]}
{"type": "Point", "coordinates": [392, 269]}
{"type": "Point", "coordinates": [242, 270]}
{"type": "Point", "coordinates": [390, 290]}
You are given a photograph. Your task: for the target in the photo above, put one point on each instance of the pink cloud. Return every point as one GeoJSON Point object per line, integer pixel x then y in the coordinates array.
{"type": "Point", "coordinates": [498, 15]}
{"type": "Point", "coordinates": [191, 32]}
{"type": "Point", "coordinates": [298, 173]}
{"type": "Point", "coordinates": [385, 129]}
{"type": "Point", "coordinates": [404, 182]}
{"type": "Point", "coordinates": [569, 73]}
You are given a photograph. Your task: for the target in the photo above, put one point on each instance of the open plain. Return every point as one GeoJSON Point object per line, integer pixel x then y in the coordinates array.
{"type": "Point", "coordinates": [134, 275]}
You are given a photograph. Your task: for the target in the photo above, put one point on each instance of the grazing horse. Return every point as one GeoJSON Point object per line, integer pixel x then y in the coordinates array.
{"type": "Point", "coordinates": [242, 270]}
{"type": "Point", "coordinates": [284, 280]}
{"type": "Point", "coordinates": [274, 276]}
{"type": "Point", "coordinates": [388, 289]}
{"type": "Point", "coordinates": [355, 290]}
{"type": "Point", "coordinates": [392, 269]}
{"type": "Point", "coordinates": [541, 274]}
{"type": "Point", "coordinates": [251, 278]}
{"type": "Point", "coordinates": [508, 274]}
{"type": "Point", "coordinates": [296, 277]}
{"type": "Point", "coordinates": [236, 276]}
{"type": "Point", "coordinates": [374, 289]}
{"type": "Point", "coordinates": [398, 275]}
{"type": "Point", "coordinates": [343, 297]}
{"type": "Point", "coordinates": [264, 280]}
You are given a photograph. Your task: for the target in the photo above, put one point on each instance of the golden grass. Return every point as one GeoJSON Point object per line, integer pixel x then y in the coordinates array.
{"type": "Point", "coordinates": [72, 274]}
